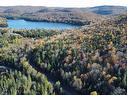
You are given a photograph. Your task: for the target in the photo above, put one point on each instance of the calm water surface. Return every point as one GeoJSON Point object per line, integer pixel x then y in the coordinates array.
{"type": "Point", "coordinates": [22, 24]}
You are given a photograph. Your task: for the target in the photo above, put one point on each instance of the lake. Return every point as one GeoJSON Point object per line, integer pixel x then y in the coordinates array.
{"type": "Point", "coordinates": [23, 24]}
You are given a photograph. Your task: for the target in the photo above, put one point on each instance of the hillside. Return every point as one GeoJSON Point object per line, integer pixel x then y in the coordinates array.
{"type": "Point", "coordinates": [91, 59]}
{"type": "Point", "coordinates": [108, 10]}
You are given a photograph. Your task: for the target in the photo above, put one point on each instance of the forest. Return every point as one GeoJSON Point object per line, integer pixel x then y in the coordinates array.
{"type": "Point", "coordinates": [88, 61]}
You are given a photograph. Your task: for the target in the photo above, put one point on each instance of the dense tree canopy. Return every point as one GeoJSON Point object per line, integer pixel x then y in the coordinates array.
{"type": "Point", "coordinates": [90, 60]}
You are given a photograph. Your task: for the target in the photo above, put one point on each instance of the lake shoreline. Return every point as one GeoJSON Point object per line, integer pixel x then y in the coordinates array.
{"type": "Point", "coordinates": [25, 24]}
{"type": "Point", "coordinates": [55, 21]}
